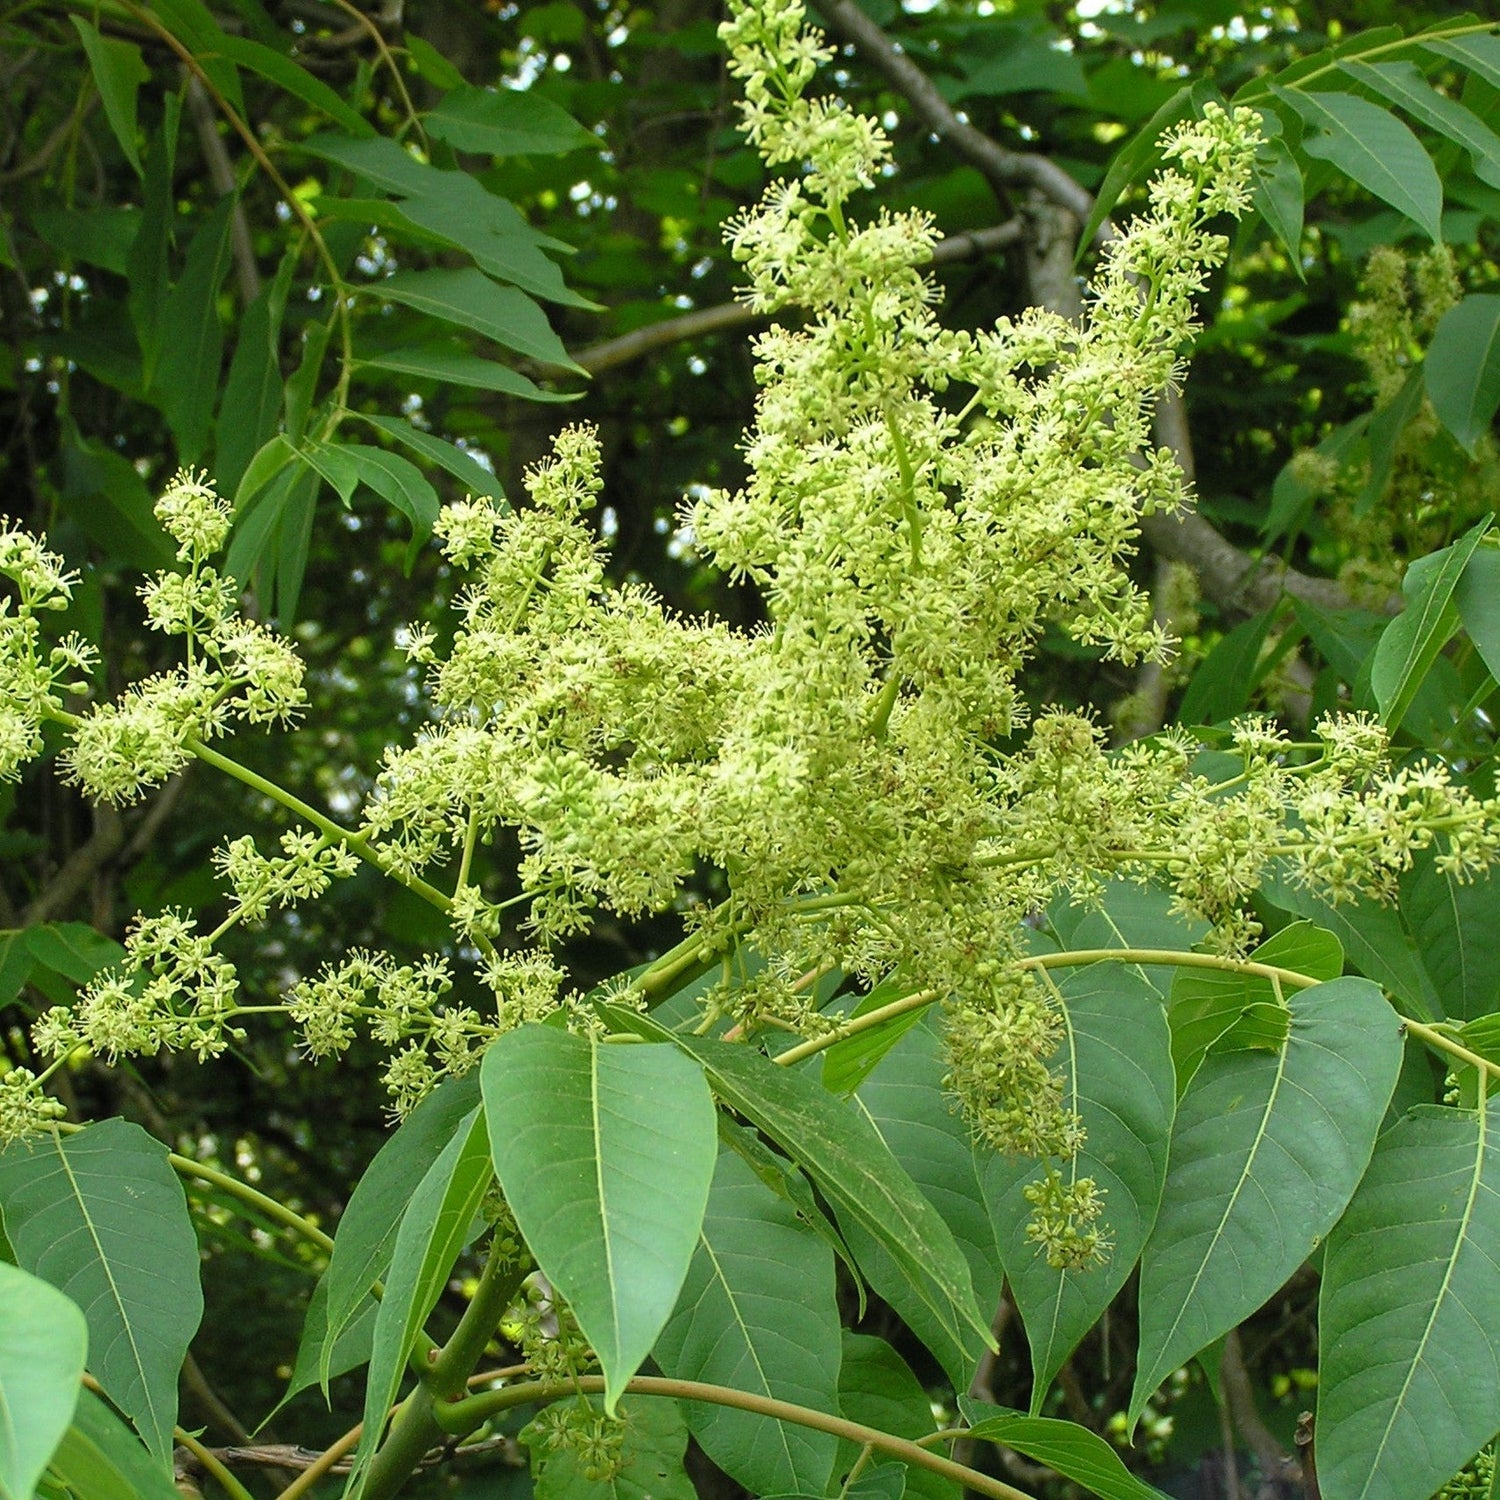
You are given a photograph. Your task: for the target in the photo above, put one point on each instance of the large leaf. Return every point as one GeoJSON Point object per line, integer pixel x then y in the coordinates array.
{"type": "Point", "coordinates": [321, 1357]}
{"type": "Point", "coordinates": [100, 1458]}
{"type": "Point", "coordinates": [1279, 198]}
{"type": "Point", "coordinates": [435, 1224]}
{"type": "Point", "coordinates": [848, 1063]}
{"type": "Point", "coordinates": [1453, 925]}
{"type": "Point", "coordinates": [1403, 84]}
{"type": "Point", "coordinates": [907, 1104]}
{"type": "Point", "coordinates": [367, 1231]}
{"type": "Point", "coordinates": [102, 1216]}
{"type": "Point", "coordinates": [119, 72]}
{"type": "Point", "coordinates": [1413, 639]}
{"type": "Point", "coordinates": [187, 377]}
{"type": "Point", "coordinates": [1116, 1057]}
{"type": "Point", "coordinates": [1071, 1450]}
{"type": "Point", "coordinates": [757, 1312]}
{"type": "Point", "coordinates": [472, 300]}
{"type": "Point", "coordinates": [655, 1441]}
{"type": "Point", "coordinates": [878, 1389]}
{"type": "Point", "coordinates": [1374, 148]}
{"type": "Point", "coordinates": [505, 122]}
{"type": "Point", "coordinates": [1225, 678]}
{"type": "Point", "coordinates": [1266, 1152]}
{"type": "Point", "coordinates": [43, 1341]}
{"type": "Point", "coordinates": [606, 1153]}
{"type": "Point", "coordinates": [839, 1149]}
{"type": "Point", "coordinates": [1462, 368]}
{"type": "Point", "coordinates": [477, 480]}
{"type": "Point", "coordinates": [286, 74]}
{"type": "Point", "coordinates": [252, 392]}
{"type": "Point", "coordinates": [1410, 1381]}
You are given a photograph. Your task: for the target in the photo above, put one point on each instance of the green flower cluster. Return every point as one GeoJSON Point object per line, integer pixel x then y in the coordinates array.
{"type": "Point", "coordinates": [921, 505]}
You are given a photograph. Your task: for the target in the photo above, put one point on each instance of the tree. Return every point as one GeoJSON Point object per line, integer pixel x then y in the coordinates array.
{"type": "Point", "coordinates": [687, 933]}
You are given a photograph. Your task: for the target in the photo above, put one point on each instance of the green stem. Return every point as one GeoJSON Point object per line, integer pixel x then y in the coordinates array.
{"type": "Point", "coordinates": [880, 720]}
{"type": "Point", "coordinates": [1435, 1038]}
{"type": "Point", "coordinates": [227, 1482]}
{"type": "Point", "coordinates": [1169, 956]}
{"type": "Point", "coordinates": [855, 1025]}
{"type": "Point", "coordinates": [459, 1418]}
{"type": "Point", "coordinates": [415, 1427]}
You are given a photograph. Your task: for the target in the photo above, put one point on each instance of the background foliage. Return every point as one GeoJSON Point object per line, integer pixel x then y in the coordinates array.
{"type": "Point", "coordinates": [215, 253]}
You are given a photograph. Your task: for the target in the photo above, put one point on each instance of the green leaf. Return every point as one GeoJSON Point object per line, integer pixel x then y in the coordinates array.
{"type": "Point", "coordinates": [191, 21]}
{"type": "Point", "coordinates": [100, 1458]}
{"type": "Point", "coordinates": [1074, 1451]}
{"type": "Point", "coordinates": [842, 1153]}
{"type": "Point", "coordinates": [97, 236]}
{"type": "Point", "coordinates": [472, 300]}
{"type": "Point", "coordinates": [294, 80]}
{"type": "Point", "coordinates": [1409, 1385]}
{"type": "Point", "coordinates": [252, 393]}
{"type": "Point", "coordinates": [435, 1225]}
{"type": "Point", "coordinates": [476, 479]}
{"type": "Point", "coordinates": [1142, 153]}
{"type": "Point", "coordinates": [367, 1231]}
{"type": "Point", "coordinates": [878, 1389]}
{"type": "Point", "coordinates": [1478, 601]}
{"type": "Point", "coordinates": [187, 376]}
{"type": "Point", "coordinates": [1453, 925]}
{"type": "Point", "coordinates": [266, 464]}
{"type": "Point", "coordinates": [758, 1312]}
{"type": "Point", "coordinates": [1217, 1008]}
{"type": "Point", "coordinates": [1411, 642]}
{"type": "Point", "coordinates": [302, 384]}
{"type": "Point", "coordinates": [1266, 1152]}
{"type": "Point", "coordinates": [605, 1153]}
{"type": "Point", "coordinates": [1403, 84]}
{"type": "Point", "coordinates": [321, 1357]}
{"type": "Point", "coordinates": [43, 1341]}
{"type": "Point", "coordinates": [912, 1112]}
{"type": "Point", "coordinates": [453, 367]}
{"type": "Point", "coordinates": [73, 949]}
{"type": "Point", "coordinates": [505, 122]}
{"type": "Point", "coordinates": [1374, 148]}
{"type": "Point", "coordinates": [655, 1442]}
{"type": "Point", "coordinates": [146, 266]}
{"type": "Point", "coordinates": [1279, 198]}
{"type": "Point", "coordinates": [1116, 1057]}
{"type": "Point", "coordinates": [1462, 368]}
{"type": "Point", "coordinates": [1385, 429]}
{"type": "Point", "coordinates": [118, 73]}
{"type": "Point", "coordinates": [399, 483]}
{"type": "Point", "coordinates": [431, 64]}
{"type": "Point", "coordinates": [107, 497]}
{"type": "Point", "coordinates": [1226, 677]}
{"type": "Point", "coordinates": [102, 1216]}
{"type": "Point", "coordinates": [848, 1063]}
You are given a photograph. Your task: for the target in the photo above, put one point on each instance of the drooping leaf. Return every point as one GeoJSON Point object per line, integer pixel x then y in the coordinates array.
{"type": "Point", "coordinates": [1225, 678]}
{"type": "Point", "coordinates": [367, 1231]}
{"type": "Point", "coordinates": [505, 122]}
{"type": "Point", "coordinates": [1116, 1059]}
{"type": "Point", "coordinates": [43, 1342]}
{"type": "Point", "coordinates": [1375, 149]}
{"type": "Point", "coordinates": [146, 265]}
{"type": "Point", "coordinates": [1409, 1386]}
{"type": "Point", "coordinates": [1462, 368]}
{"type": "Point", "coordinates": [472, 300]}
{"type": "Point", "coordinates": [655, 1441]}
{"type": "Point", "coordinates": [119, 72]}
{"type": "Point", "coordinates": [187, 376]}
{"type": "Point", "coordinates": [757, 1312]}
{"type": "Point", "coordinates": [463, 466]}
{"type": "Point", "coordinates": [253, 388]}
{"type": "Point", "coordinates": [1074, 1451]}
{"type": "Point", "coordinates": [1413, 639]}
{"type": "Point", "coordinates": [1279, 198]}
{"type": "Point", "coordinates": [878, 1389]}
{"type": "Point", "coordinates": [435, 1223]}
{"type": "Point", "coordinates": [319, 1357]}
{"type": "Point", "coordinates": [100, 1458]}
{"type": "Point", "coordinates": [73, 949]}
{"type": "Point", "coordinates": [103, 1218]}
{"type": "Point", "coordinates": [605, 1153]}
{"type": "Point", "coordinates": [1266, 1151]}
{"type": "Point", "coordinates": [399, 483]}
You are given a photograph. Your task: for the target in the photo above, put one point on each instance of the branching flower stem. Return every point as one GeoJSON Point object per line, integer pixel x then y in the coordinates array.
{"type": "Point", "coordinates": [462, 1417]}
